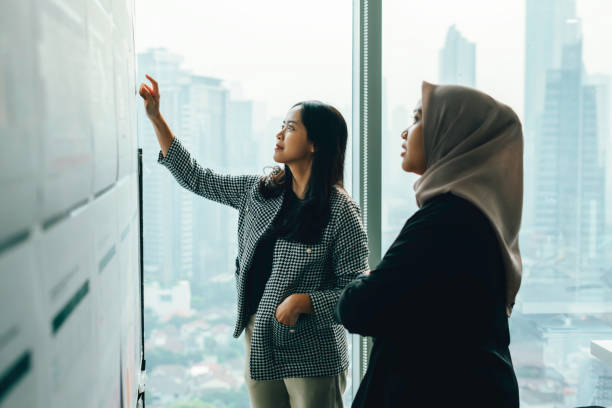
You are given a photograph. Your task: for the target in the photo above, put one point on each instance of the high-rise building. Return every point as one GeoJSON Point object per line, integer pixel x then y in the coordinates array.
{"type": "Point", "coordinates": [187, 236]}
{"type": "Point", "coordinates": [162, 201]}
{"type": "Point", "coordinates": [205, 105]}
{"type": "Point", "coordinates": [565, 286]}
{"type": "Point", "coordinates": [545, 34]}
{"type": "Point", "coordinates": [457, 60]}
{"type": "Point", "coordinates": [570, 180]}
{"type": "Point", "coordinates": [603, 87]}
{"type": "Point", "coordinates": [241, 133]}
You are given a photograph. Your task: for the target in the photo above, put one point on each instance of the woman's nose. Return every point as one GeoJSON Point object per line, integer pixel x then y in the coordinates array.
{"type": "Point", "coordinates": [404, 134]}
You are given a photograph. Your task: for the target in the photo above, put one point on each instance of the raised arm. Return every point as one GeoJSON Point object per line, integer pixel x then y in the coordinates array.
{"type": "Point", "coordinates": [224, 189]}
{"type": "Point", "coordinates": [151, 97]}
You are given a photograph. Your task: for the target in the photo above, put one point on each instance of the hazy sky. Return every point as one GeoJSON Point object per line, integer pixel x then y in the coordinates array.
{"type": "Point", "coordinates": [282, 51]}
{"type": "Point", "coordinates": [414, 32]}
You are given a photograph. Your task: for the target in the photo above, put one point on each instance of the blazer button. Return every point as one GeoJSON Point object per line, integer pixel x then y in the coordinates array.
{"type": "Point", "coordinates": [291, 330]}
{"type": "Point", "coordinates": [246, 209]}
{"type": "Point", "coordinates": [308, 250]}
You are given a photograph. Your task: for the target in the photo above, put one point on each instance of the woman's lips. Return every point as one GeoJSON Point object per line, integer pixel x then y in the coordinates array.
{"type": "Point", "coordinates": [277, 147]}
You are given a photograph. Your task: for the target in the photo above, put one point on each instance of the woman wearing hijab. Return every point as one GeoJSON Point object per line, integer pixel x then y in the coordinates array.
{"type": "Point", "coordinates": [437, 304]}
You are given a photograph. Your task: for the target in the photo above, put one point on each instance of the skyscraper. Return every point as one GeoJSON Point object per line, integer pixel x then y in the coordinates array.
{"type": "Point", "coordinates": [570, 178]}
{"type": "Point", "coordinates": [603, 86]}
{"type": "Point", "coordinates": [565, 287]}
{"type": "Point", "coordinates": [163, 203]}
{"type": "Point", "coordinates": [241, 133]}
{"type": "Point", "coordinates": [205, 103]}
{"type": "Point", "coordinates": [457, 60]}
{"type": "Point", "coordinates": [545, 34]}
{"type": "Point", "coordinates": [180, 227]}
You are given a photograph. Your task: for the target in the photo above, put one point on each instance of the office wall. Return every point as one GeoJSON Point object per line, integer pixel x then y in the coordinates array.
{"type": "Point", "coordinates": [69, 224]}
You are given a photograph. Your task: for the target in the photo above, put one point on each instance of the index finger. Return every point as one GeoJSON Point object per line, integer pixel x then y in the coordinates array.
{"type": "Point", "coordinates": [154, 82]}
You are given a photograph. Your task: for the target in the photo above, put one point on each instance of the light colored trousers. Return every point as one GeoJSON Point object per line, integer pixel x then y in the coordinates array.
{"type": "Point", "coordinates": [310, 392]}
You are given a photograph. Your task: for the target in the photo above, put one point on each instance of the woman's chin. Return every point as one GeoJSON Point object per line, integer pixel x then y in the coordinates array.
{"type": "Point", "coordinates": [278, 158]}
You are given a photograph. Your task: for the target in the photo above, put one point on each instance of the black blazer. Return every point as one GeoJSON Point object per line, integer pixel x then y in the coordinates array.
{"type": "Point", "coordinates": [435, 306]}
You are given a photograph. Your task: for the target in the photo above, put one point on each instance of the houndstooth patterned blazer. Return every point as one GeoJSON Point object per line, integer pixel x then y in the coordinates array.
{"type": "Point", "coordinates": [316, 345]}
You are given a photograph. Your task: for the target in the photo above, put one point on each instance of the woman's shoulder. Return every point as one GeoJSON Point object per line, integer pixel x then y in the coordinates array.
{"type": "Point", "coordinates": [450, 211]}
{"type": "Point", "coordinates": [341, 201]}
{"type": "Point", "coordinates": [261, 186]}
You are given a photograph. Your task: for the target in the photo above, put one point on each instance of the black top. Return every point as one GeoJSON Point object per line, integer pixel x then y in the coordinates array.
{"type": "Point", "coordinates": [435, 306]}
{"type": "Point", "coordinates": [261, 265]}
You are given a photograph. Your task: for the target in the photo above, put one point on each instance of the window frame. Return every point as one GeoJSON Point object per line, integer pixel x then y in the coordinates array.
{"type": "Point", "coordinates": [367, 145]}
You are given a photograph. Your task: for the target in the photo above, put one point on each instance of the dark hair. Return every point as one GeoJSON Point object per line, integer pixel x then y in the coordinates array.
{"type": "Point", "coordinates": [327, 130]}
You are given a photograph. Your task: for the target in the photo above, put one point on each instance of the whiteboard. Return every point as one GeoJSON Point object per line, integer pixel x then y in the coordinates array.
{"type": "Point", "coordinates": [66, 139]}
{"type": "Point", "coordinates": [20, 123]}
{"type": "Point", "coordinates": [20, 330]}
{"type": "Point", "coordinates": [70, 318]}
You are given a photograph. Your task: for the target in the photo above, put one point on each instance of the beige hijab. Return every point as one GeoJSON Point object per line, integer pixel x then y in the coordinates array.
{"type": "Point", "coordinates": [474, 149]}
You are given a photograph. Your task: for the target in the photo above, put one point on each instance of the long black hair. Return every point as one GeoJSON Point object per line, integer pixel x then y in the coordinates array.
{"type": "Point", "coordinates": [327, 130]}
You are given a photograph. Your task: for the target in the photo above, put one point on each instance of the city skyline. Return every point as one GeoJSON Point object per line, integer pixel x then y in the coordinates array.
{"type": "Point", "coordinates": [550, 335]}
{"type": "Point", "coordinates": [502, 55]}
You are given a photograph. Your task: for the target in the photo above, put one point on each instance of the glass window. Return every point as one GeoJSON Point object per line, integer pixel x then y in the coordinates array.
{"type": "Point", "coordinates": [228, 73]}
{"type": "Point", "coordinates": [546, 59]}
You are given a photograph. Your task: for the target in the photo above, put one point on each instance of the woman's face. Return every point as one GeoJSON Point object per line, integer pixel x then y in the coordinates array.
{"type": "Point", "coordinates": [413, 147]}
{"type": "Point", "coordinates": [292, 144]}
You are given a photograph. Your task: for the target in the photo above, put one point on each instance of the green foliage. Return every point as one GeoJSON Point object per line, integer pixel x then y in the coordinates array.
{"type": "Point", "coordinates": [161, 356]}
{"type": "Point", "coordinates": [228, 399]}
{"type": "Point", "coordinates": [217, 399]}
{"type": "Point", "coordinates": [192, 404]}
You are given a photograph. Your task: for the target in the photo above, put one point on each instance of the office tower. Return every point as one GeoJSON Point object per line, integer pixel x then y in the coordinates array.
{"type": "Point", "coordinates": [205, 103]}
{"type": "Point", "coordinates": [570, 179]}
{"type": "Point", "coordinates": [240, 134]}
{"type": "Point", "coordinates": [162, 200]}
{"type": "Point", "coordinates": [457, 60]}
{"type": "Point", "coordinates": [544, 38]}
{"type": "Point", "coordinates": [207, 99]}
{"type": "Point", "coordinates": [565, 284]}
{"type": "Point", "coordinates": [603, 86]}
{"type": "Point", "coordinates": [187, 236]}
{"type": "Point", "coordinates": [545, 32]}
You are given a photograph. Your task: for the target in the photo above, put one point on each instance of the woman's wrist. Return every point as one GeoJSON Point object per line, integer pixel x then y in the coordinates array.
{"type": "Point", "coordinates": [303, 304]}
{"type": "Point", "coordinates": [156, 119]}
{"type": "Point", "coordinates": [163, 132]}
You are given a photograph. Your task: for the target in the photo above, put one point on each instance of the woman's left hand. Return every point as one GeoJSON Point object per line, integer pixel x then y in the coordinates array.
{"type": "Point", "coordinates": [290, 309]}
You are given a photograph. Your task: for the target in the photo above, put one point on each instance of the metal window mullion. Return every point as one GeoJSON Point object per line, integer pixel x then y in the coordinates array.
{"type": "Point", "coordinates": [367, 115]}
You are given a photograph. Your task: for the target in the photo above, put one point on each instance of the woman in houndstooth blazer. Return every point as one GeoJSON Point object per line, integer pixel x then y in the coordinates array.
{"type": "Point", "coordinates": [300, 242]}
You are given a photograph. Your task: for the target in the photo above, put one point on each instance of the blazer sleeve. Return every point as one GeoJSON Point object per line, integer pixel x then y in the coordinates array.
{"type": "Point", "coordinates": [406, 281]}
{"type": "Point", "coordinates": [349, 260]}
{"type": "Point", "coordinates": [224, 189]}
